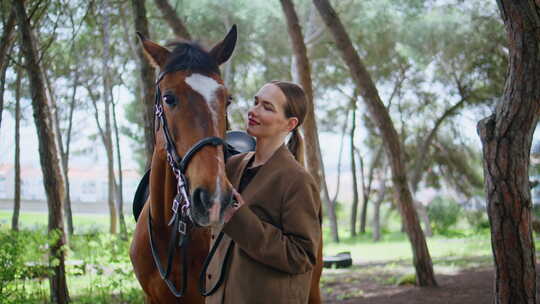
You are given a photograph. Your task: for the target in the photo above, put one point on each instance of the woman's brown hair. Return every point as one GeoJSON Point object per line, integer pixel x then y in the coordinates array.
{"type": "Point", "coordinates": [296, 106]}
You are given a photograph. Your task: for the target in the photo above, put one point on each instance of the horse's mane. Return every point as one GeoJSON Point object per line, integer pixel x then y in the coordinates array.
{"type": "Point", "coordinates": [190, 56]}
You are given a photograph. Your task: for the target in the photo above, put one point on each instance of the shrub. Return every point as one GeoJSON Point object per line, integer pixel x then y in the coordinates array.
{"type": "Point", "coordinates": [477, 219]}
{"type": "Point", "coordinates": [443, 214]}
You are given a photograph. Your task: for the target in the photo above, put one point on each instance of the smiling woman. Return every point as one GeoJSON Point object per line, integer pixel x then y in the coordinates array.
{"type": "Point", "coordinates": [269, 250]}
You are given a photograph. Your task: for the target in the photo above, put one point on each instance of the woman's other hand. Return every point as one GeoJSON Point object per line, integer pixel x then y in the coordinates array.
{"type": "Point", "coordinates": [237, 203]}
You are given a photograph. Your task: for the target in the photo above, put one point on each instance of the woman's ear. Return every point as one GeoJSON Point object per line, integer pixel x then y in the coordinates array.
{"type": "Point", "coordinates": [292, 122]}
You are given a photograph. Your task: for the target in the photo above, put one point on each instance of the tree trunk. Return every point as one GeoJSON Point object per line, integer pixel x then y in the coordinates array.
{"type": "Point", "coordinates": [341, 146]}
{"type": "Point", "coordinates": [377, 211]}
{"type": "Point", "coordinates": [506, 140]}
{"type": "Point", "coordinates": [48, 151]}
{"type": "Point", "coordinates": [62, 151]}
{"type": "Point", "coordinates": [354, 206]}
{"type": "Point", "coordinates": [365, 195]}
{"type": "Point", "coordinates": [172, 19]}
{"type": "Point", "coordinates": [423, 214]}
{"type": "Point", "coordinates": [119, 194]}
{"type": "Point", "coordinates": [17, 182]}
{"type": "Point", "coordinates": [5, 45]}
{"type": "Point", "coordinates": [147, 79]}
{"type": "Point", "coordinates": [313, 160]}
{"type": "Point", "coordinates": [365, 85]}
{"type": "Point", "coordinates": [65, 156]}
{"type": "Point", "coordinates": [366, 189]}
{"type": "Point", "coordinates": [107, 138]}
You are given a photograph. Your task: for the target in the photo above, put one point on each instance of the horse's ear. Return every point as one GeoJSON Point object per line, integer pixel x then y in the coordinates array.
{"type": "Point", "coordinates": [154, 52]}
{"type": "Point", "coordinates": [222, 51]}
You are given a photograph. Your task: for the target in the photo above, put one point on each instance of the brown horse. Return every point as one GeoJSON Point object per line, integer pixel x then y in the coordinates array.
{"type": "Point", "coordinates": [190, 191]}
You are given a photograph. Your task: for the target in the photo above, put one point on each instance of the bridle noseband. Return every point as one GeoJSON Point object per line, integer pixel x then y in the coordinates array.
{"type": "Point", "coordinates": [181, 220]}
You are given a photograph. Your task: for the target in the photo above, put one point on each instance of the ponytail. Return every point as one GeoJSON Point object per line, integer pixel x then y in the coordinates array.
{"type": "Point", "coordinates": [296, 146]}
{"type": "Point", "coordinates": [296, 106]}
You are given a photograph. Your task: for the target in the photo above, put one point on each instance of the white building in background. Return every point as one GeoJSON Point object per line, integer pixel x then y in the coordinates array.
{"type": "Point", "coordinates": [87, 185]}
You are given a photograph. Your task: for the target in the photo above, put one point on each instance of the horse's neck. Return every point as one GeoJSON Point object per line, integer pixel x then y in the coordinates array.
{"type": "Point", "coordinates": [162, 188]}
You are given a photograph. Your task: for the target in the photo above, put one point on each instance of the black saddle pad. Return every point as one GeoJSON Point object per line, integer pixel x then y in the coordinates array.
{"type": "Point", "coordinates": [141, 195]}
{"type": "Point", "coordinates": [237, 142]}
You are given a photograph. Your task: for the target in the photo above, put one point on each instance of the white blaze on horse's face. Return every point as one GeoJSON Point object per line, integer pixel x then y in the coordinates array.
{"type": "Point", "coordinates": [207, 87]}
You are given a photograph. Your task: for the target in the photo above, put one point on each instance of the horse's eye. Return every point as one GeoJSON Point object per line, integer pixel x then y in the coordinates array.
{"type": "Point", "coordinates": [169, 99]}
{"type": "Point", "coordinates": [229, 100]}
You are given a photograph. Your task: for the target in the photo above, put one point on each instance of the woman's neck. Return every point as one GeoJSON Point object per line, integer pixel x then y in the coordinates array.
{"type": "Point", "coordinates": [265, 149]}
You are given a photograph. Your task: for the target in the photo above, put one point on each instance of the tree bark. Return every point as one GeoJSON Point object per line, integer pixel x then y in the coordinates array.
{"type": "Point", "coordinates": [62, 151]}
{"type": "Point", "coordinates": [147, 79]}
{"type": "Point", "coordinates": [5, 45]}
{"type": "Point", "coordinates": [362, 79]}
{"type": "Point", "coordinates": [313, 160]}
{"type": "Point", "coordinates": [354, 206]}
{"type": "Point", "coordinates": [48, 150]}
{"type": "Point", "coordinates": [172, 19]}
{"type": "Point", "coordinates": [107, 137]}
{"type": "Point", "coordinates": [17, 182]}
{"type": "Point", "coordinates": [506, 140]}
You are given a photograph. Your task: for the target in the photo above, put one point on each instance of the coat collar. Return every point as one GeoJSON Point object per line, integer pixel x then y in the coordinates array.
{"type": "Point", "coordinates": [281, 154]}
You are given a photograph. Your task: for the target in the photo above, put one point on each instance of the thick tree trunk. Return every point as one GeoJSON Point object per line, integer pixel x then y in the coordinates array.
{"type": "Point", "coordinates": [314, 161]}
{"type": "Point", "coordinates": [172, 19]}
{"type": "Point", "coordinates": [5, 45]}
{"type": "Point", "coordinates": [107, 137]}
{"type": "Point", "coordinates": [48, 151]}
{"type": "Point", "coordinates": [354, 206]}
{"type": "Point", "coordinates": [362, 79]}
{"type": "Point", "coordinates": [506, 139]}
{"type": "Point", "coordinates": [17, 199]}
{"type": "Point", "coordinates": [147, 79]}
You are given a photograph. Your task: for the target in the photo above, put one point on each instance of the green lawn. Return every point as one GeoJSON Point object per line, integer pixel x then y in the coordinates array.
{"type": "Point", "coordinates": [83, 223]}
{"type": "Point", "coordinates": [396, 246]}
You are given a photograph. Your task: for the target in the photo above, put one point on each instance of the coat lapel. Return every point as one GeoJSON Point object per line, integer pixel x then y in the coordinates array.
{"type": "Point", "coordinates": [277, 159]}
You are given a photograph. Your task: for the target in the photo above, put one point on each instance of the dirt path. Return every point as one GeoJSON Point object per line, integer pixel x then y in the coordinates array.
{"type": "Point", "coordinates": [376, 285]}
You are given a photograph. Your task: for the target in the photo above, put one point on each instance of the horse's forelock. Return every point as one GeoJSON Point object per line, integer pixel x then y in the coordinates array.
{"type": "Point", "coordinates": [190, 56]}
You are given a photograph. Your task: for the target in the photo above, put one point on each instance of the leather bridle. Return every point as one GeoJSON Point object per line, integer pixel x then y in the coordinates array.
{"type": "Point", "coordinates": [181, 220]}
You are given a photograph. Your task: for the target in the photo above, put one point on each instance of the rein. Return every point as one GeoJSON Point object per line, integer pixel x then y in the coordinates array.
{"type": "Point", "coordinates": [181, 221]}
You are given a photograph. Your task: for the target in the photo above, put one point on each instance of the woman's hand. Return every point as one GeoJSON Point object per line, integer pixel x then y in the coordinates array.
{"type": "Point", "coordinates": [237, 204]}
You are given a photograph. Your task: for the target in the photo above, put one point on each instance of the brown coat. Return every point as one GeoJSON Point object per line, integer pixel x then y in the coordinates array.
{"type": "Point", "coordinates": [276, 235]}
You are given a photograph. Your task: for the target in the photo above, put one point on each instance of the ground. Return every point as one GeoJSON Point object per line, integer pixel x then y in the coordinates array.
{"type": "Point", "coordinates": [460, 282]}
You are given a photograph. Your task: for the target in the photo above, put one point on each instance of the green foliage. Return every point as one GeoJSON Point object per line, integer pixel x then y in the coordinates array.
{"type": "Point", "coordinates": [478, 220]}
{"type": "Point", "coordinates": [443, 214]}
{"type": "Point", "coordinates": [22, 257]}
{"type": "Point", "coordinates": [98, 268]}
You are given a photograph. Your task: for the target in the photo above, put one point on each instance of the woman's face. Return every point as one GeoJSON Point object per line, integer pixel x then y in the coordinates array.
{"type": "Point", "coordinates": [266, 118]}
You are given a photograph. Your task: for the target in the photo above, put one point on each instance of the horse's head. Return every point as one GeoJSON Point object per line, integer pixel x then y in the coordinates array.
{"type": "Point", "coordinates": [194, 102]}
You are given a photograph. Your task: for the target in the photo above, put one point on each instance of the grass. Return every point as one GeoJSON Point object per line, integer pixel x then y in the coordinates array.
{"type": "Point", "coordinates": [396, 246]}
{"type": "Point", "coordinates": [83, 223]}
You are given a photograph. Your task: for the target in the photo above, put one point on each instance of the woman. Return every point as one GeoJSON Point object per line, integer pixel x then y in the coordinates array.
{"type": "Point", "coordinates": [270, 239]}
